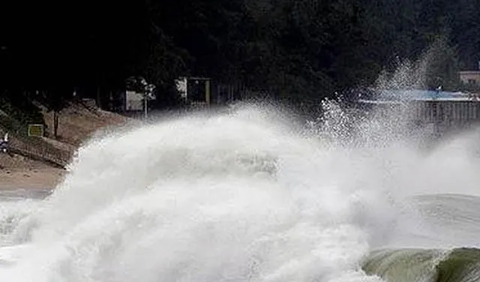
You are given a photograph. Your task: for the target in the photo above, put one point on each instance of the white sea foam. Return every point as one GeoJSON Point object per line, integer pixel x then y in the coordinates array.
{"type": "Point", "coordinates": [242, 195]}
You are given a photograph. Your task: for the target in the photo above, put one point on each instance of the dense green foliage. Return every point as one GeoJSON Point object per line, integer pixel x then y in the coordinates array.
{"type": "Point", "coordinates": [17, 113]}
{"type": "Point", "coordinates": [299, 50]}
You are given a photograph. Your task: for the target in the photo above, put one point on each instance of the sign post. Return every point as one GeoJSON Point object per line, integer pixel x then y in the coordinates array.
{"type": "Point", "coordinates": [36, 130]}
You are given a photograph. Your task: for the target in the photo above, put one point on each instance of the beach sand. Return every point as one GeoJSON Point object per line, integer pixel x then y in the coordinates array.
{"type": "Point", "coordinates": [17, 172]}
{"type": "Point", "coordinates": [44, 179]}
{"type": "Point", "coordinates": [77, 123]}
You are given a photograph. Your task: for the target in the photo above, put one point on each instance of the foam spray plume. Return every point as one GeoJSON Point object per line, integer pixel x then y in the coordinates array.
{"type": "Point", "coordinates": [245, 195]}
{"type": "Point", "coordinates": [235, 197]}
{"type": "Point", "coordinates": [230, 197]}
{"type": "Point", "coordinates": [238, 196]}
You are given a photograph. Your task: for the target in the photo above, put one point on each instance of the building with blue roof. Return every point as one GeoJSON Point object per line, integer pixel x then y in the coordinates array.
{"type": "Point", "coordinates": [445, 110]}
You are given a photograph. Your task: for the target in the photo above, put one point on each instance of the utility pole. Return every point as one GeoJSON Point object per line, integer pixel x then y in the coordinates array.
{"type": "Point", "coordinates": [145, 107]}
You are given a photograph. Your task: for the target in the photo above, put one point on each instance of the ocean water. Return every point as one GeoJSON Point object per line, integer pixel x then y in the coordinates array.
{"type": "Point", "coordinates": [254, 194]}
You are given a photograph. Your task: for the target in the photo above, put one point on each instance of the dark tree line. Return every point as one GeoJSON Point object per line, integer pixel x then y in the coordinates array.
{"type": "Point", "coordinates": [298, 50]}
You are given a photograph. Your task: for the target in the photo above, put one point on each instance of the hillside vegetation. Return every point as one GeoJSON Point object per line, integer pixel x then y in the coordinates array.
{"type": "Point", "coordinates": [77, 122]}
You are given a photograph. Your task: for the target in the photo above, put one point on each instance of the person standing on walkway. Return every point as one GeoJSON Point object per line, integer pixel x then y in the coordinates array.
{"type": "Point", "coordinates": [4, 143]}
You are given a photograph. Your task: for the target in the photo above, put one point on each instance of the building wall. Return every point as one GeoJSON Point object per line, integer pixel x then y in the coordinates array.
{"type": "Point", "coordinates": [470, 77]}
{"type": "Point", "coordinates": [133, 101]}
{"type": "Point", "coordinates": [195, 89]}
{"type": "Point", "coordinates": [449, 112]}
{"type": "Point", "coordinates": [181, 85]}
{"type": "Point", "coordinates": [440, 117]}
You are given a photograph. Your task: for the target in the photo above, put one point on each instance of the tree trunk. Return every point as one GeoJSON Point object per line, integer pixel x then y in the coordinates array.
{"type": "Point", "coordinates": [99, 99]}
{"type": "Point", "coordinates": [55, 124]}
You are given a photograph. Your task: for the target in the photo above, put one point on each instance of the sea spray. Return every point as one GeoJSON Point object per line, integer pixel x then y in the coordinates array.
{"type": "Point", "coordinates": [246, 194]}
{"type": "Point", "coordinates": [240, 195]}
{"type": "Point", "coordinates": [237, 197]}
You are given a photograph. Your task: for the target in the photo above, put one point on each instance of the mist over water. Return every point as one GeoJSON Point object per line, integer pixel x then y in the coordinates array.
{"type": "Point", "coordinates": [248, 194]}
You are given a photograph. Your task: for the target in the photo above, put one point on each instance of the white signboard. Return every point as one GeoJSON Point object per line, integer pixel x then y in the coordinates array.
{"type": "Point", "coordinates": [134, 101]}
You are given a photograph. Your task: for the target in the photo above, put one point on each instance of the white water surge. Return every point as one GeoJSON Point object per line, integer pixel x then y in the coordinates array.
{"type": "Point", "coordinates": [239, 196]}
